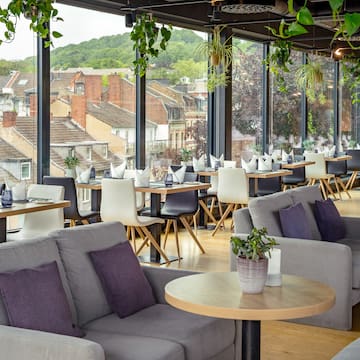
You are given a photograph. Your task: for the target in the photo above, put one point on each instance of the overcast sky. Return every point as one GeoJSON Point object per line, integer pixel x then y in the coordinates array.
{"type": "Point", "coordinates": [78, 25]}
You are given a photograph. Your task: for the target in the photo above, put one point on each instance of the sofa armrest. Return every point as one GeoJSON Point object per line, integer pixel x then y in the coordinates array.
{"type": "Point", "coordinates": [352, 225]}
{"type": "Point", "coordinates": [20, 344]}
{"type": "Point", "coordinates": [159, 277]}
{"type": "Point", "coordinates": [327, 262]}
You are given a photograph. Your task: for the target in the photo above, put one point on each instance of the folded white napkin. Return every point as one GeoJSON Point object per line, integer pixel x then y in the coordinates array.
{"type": "Point", "coordinates": [285, 155]}
{"type": "Point", "coordinates": [199, 164]}
{"type": "Point", "coordinates": [19, 191]}
{"type": "Point", "coordinates": [142, 177]}
{"type": "Point", "coordinates": [119, 171]}
{"type": "Point", "coordinates": [276, 154]}
{"type": "Point", "coordinates": [214, 159]}
{"type": "Point", "coordinates": [82, 176]}
{"type": "Point", "coordinates": [265, 163]}
{"type": "Point", "coordinates": [249, 166]}
{"type": "Point", "coordinates": [178, 175]}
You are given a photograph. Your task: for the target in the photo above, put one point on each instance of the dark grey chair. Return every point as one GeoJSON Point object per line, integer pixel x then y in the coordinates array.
{"type": "Point", "coordinates": [178, 207]}
{"type": "Point", "coordinates": [339, 169]}
{"type": "Point", "coordinates": [353, 167]}
{"type": "Point", "coordinates": [72, 212]}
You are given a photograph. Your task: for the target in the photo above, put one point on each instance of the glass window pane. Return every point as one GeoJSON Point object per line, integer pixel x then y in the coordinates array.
{"type": "Point", "coordinates": [247, 98]}
{"type": "Point", "coordinates": [176, 104]}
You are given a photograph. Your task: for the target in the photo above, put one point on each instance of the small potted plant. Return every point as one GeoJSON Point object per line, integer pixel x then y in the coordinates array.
{"type": "Point", "coordinates": [185, 156]}
{"type": "Point", "coordinates": [70, 163]}
{"type": "Point", "coordinates": [252, 262]}
{"type": "Point", "coordinates": [308, 145]}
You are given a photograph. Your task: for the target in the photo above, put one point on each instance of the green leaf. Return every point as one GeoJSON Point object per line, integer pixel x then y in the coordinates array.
{"type": "Point", "coordinates": [304, 16]}
{"type": "Point", "coordinates": [295, 29]}
{"type": "Point", "coordinates": [336, 4]}
{"type": "Point", "coordinates": [352, 23]}
{"type": "Point", "coordinates": [56, 34]}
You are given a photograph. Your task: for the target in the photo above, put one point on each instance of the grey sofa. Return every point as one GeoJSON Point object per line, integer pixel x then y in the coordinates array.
{"type": "Point", "coordinates": [334, 263]}
{"type": "Point", "coordinates": [157, 332]}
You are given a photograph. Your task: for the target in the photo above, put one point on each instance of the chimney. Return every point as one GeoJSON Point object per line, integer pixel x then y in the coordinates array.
{"type": "Point", "coordinates": [114, 89]}
{"type": "Point", "coordinates": [9, 118]}
{"type": "Point", "coordinates": [33, 105]}
{"type": "Point", "coordinates": [78, 109]}
{"type": "Point", "coordinates": [93, 88]}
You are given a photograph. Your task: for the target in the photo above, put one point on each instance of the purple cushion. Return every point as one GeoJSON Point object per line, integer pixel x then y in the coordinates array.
{"type": "Point", "coordinates": [35, 299]}
{"type": "Point", "coordinates": [294, 223]}
{"type": "Point", "coordinates": [329, 221]}
{"type": "Point", "coordinates": [125, 285]}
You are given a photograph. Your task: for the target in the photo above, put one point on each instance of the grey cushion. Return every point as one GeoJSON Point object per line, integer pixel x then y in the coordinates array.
{"type": "Point", "coordinates": [74, 245]}
{"type": "Point", "coordinates": [355, 250]}
{"type": "Point", "coordinates": [165, 322]}
{"type": "Point", "coordinates": [128, 347]}
{"type": "Point", "coordinates": [307, 195]}
{"type": "Point", "coordinates": [264, 211]}
{"type": "Point", "coordinates": [18, 255]}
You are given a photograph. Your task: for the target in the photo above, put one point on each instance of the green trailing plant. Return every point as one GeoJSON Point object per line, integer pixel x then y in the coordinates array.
{"type": "Point", "coordinates": [347, 24]}
{"type": "Point", "coordinates": [38, 12]}
{"type": "Point", "coordinates": [351, 77]}
{"type": "Point", "coordinates": [310, 78]}
{"type": "Point", "coordinates": [352, 144]}
{"type": "Point", "coordinates": [278, 61]}
{"type": "Point", "coordinates": [149, 40]}
{"type": "Point", "coordinates": [71, 162]}
{"type": "Point", "coordinates": [255, 246]}
{"type": "Point", "coordinates": [219, 54]}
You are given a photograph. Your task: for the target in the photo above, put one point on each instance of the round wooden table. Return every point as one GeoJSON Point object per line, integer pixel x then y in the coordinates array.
{"type": "Point", "coordinates": [219, 295]}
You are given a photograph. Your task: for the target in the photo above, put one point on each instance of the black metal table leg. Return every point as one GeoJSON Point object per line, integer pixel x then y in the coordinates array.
{"type": "Point", "coordinates": [2, 230]}
{"type": "Point", "coordinates": [155, 202]}
{"type": "Point", "coordinates": [250, 340]}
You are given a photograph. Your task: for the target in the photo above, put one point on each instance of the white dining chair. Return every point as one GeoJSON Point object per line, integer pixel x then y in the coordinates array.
{"type": "Point", "coordinates": [233, 190]}
{"type": "Point", "coordinates": [118, 203]}
{"type": "Point", "coordinates": [42, 222]}
{"type": "Point", "coordinates": [317, 173]}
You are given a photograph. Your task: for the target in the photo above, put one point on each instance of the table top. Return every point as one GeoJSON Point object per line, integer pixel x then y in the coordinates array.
{"type": "Point", "coordinates": [297, 164]}
{"type": "Point", "coordinates": [219, 295]}
{"type": "Point", "coordinates": [338, 158]}
{"type": "Point", "coordinates": [157, 187]}
{"type": "Point", "coordinates": [28, 207]}
{"type": "Point", "coordinates": [253, 175]}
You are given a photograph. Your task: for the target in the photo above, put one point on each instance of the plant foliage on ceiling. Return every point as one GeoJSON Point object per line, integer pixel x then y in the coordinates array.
{"type": "Point", "coordinates": [145, 35]}
{"type": "Point", "coordinates": [278, 61]}
{"type": "Point", "coordinates": [347, 24]}
{"type": "Point", "coordinates": [219, 54]}
{"type": "Point", "coordinates": [38, 12]}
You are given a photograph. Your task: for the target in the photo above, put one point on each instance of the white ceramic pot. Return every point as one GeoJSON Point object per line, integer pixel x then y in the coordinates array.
{"type": "Point", "coordinates": [252, 274]}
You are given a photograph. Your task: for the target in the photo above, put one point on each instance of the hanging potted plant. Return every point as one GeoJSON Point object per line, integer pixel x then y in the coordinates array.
{"type": "Point", "coordinates": [310, 78]}
{"type": "Point", "coordinates": [38, 12]}
{"type": "Point", "coordinates": [149, 40]}
{"type": "Point", "coordinates": [278, 61]}
{"type": "Point", "coordinates": [252, 263]}
{"type": "Point", "coordinates": [219, 54]}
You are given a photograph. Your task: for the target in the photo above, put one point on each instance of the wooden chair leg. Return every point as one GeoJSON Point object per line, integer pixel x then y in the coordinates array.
{"type": "Point", "coordinates": [145, 240]}
{"type": "Point", "coordinates": [343, 187]}
{"type": "Point", "coordinates": [155, 244]}
{"type": "Point", "coordinates": [133, 237]}
{"type": "Point", "coordinates": [328, 187]}
{"type": "Point", "coordinates": [188, 228]}
{"type": "Point", "coordinates": [176, 233]}
{"type": "Point", "coordinates": [167, 230]}
{"type": "Point", "coordinates": [207, 211]}
{"type": "Point", "coordinates": [85, 221]}
{"type": "Point", "coordinates": [226, 213]}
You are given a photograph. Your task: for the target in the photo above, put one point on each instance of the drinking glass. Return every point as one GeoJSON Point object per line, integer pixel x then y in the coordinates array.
{"type": "Point", "coordinates": [6, 199]}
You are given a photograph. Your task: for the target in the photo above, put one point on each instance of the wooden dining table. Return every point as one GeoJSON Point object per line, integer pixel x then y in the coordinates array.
{"type": "Point", "coordinates": [24, 207]}
{"type": "Point", "coordinates": [256, 175]}
{"type": "Point", "coordinates": [156, 190]}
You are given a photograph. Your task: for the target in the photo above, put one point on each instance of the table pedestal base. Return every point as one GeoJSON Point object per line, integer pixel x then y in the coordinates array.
{"type": "Point", "coordinates": [161, 261]}
{"type": "Point", "coordinates": [250, 340]}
